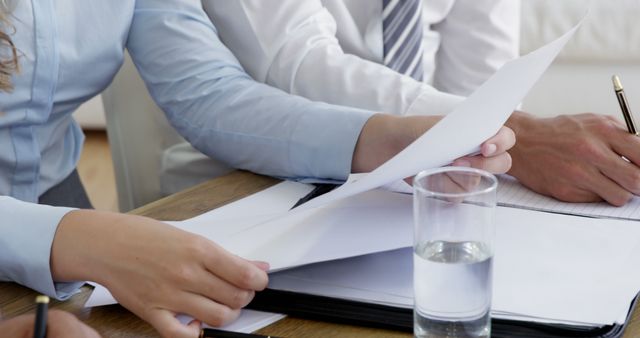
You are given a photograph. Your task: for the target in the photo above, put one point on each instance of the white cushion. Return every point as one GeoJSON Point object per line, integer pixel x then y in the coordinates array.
{"type": "Point", "coordinates": [611, 32]}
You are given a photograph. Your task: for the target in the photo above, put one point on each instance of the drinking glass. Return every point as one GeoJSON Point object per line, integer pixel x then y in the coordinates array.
{"type": "Point", "coordinates": [454, 210]}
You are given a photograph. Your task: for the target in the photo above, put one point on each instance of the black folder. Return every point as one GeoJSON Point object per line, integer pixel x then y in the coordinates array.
{"type": "Point", "coordinates": [351, 312]}
{"type": "Point", "coordinates": [344, 311]}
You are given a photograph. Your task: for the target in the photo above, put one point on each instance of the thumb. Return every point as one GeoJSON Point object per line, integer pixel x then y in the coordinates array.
{"type": "Point", "coordinates": [170, 327]}
{"type": "Point", "coordinates": [264, 266]}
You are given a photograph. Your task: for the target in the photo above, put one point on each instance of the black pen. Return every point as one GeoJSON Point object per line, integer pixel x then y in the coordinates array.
{"type": "Point", "coordinates": [40, 328]}
{"type": "Point", "coordinates": [215, 333]}
{"type": "Point", "coordinates": [320, 189]}
{"type": "Point", "coordinates": [624, 105]}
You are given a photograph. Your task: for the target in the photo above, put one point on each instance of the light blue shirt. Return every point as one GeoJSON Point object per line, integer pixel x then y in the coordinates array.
{"type": "Point", "coordinates": [69, 52]}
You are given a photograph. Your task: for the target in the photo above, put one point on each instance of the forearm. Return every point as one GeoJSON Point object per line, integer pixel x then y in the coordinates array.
{"type": "Point", "coordinates": [383, 136]}
{"type": "Point", "coordinates": [223, 112]}
{"type": "Point", "coordinates": [81, 241]}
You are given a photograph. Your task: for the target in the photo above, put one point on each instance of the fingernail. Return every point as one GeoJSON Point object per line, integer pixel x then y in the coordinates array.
{"type": "Point", "coordinates": [462, 163]}
{"type": "Point", "coordinates": [490, 149]}
{"type": "Point", "coordinates": [264, 266]}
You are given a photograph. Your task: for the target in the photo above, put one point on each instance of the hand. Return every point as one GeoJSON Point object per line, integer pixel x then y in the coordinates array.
{"type": "Point", "coordinates": [493, 157]}
{"type": "Point", "coordinates": [156, 270]}
{"type": "Point", "coordinates": [383, 136]}
{"type": "Point", "coordinates": [60, 324]}
{"type": "Point", "coordinates": [576, 158]}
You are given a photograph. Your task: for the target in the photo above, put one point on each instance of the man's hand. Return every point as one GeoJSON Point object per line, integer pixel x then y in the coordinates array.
{"type": "Point", "coordinates": [576, 158]}
{"type": "Point", "coordinates": [60, 324]}
{"type": "Point", "coordinates": [156, 270]}
{"type": "Point", "coordinates": [383, 136]}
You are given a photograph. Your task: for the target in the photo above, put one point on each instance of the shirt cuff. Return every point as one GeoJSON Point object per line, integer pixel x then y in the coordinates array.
{"type": "Point", "coordinates": [433, 102]}
{"type": "Point", "coordinates": [26, 236]}
{"type": "Point", "coordinates": [323, 144]}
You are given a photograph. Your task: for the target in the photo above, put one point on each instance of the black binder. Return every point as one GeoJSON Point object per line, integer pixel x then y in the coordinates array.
{"type": "Point", "coordinates": [344, 311]}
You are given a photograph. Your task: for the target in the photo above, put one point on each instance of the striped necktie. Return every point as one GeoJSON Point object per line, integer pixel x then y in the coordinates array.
{"type": "Point", "coordinates": [402, 36]}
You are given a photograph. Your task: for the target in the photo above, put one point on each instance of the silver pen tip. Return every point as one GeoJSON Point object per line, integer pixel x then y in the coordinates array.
{"type": "Point", "coordinates": [616, 83]}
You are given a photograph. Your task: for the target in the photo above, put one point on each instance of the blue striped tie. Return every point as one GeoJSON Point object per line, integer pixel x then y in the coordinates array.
{"type": "Point", "coordinates": [402, 36]}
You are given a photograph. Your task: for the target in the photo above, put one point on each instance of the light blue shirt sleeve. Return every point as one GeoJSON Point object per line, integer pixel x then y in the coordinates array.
{"type": "Point", "coordinates": [27, 231]}
{"type": "Point", "coordinates": [224, 113]}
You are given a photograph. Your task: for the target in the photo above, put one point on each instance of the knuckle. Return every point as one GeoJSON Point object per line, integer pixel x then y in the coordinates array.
{"type": "Point", "coordinates": [564, 193]}
{"type": "Point", "coordinates": [621, 199]}
{"type": "Point", "coordinates": [198, 246]}
{"type": "Point", "coordinates": [172, 331]}
{"type": "Point", "coordinates": [587, 149]}
{"type": "Point", "coordinates": [246, 277]}
{"type": "Point", "coordinates": [241, 298]}
{"type": "Point", "coordinates": [62, 316]}
{"type": "Point", "coordinates": [184, 274]}
{"type": "Point", "coordinates": [221, 317]}
{"type": "Point", "coordinates": [635, 181]}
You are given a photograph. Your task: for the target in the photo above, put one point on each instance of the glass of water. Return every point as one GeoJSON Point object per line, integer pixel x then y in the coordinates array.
{"type": "Point", "coordinates": [454, 210]}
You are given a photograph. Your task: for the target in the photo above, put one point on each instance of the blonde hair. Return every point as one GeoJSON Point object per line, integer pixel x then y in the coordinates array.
{"type": "Point", "coordinates": [8, 52]}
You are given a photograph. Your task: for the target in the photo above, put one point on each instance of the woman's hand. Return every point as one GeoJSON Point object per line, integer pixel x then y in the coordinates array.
{"type": "Point", "coordinates": [156, 270]}
{"type": "Point", "coordinates": [383, 136]}
{"type": "Point", "coordinates": [60, 324]}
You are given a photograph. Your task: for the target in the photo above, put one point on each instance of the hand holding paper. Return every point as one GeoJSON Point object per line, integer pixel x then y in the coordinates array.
{"type": "Point", "coordinates": [462, 131]}
{"type": "Point", "coordinates": [383, 136]}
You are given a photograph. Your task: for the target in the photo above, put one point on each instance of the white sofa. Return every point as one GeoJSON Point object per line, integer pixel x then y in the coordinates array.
{"type": "Point", "coordinates": [579, 81]}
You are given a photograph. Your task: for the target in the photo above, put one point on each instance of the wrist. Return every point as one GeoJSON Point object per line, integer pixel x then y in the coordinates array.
{"type": "Point", "coordinates": [383, 136]}
{"type": "Point", "coordinates": [519, 122]}
{"type": "Point", "coordinates": [81, 245]}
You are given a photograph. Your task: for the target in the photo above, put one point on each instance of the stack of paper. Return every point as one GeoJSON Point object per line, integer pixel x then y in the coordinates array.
{"type": "Point", "coordinates": [548, 268]}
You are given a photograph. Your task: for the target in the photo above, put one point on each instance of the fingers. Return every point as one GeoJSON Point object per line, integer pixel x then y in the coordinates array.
{"type": "Point", "coordinates": [20, 326]}
{"type": "Point", "coordinates": [204, 309]}
{"type": "Point", "coordinates": [627, 145]}
{"type": "Point", "coordinates": [264, 266]}
{"type": "Point", "coordinates": [609, 190]}
{"type": "Point", "coordinates": [214, 288]}
{"type": "Point", "coordinates": [63, 324]}
{"type": "Point", "coordinates": [504, 140]}
{"type": "Point", "coordinates": [499, 164]}
{"type": "Point", "coordinates": [622, 172]}
{"type": "Point", "coordinates": [234, 269]}
{"type": "Point", "coordinates": [169, 326]}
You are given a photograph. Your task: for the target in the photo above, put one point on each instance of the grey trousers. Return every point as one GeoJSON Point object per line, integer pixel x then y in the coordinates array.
{"type": "Point", "coordinates": [68, 193]}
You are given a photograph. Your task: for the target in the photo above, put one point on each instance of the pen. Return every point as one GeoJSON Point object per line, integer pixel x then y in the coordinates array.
{"type": "Point", "coordinates": [40, 328]}
{"type": "Point", "coordinates": [215, 333]}
{"type": "Point", "coordinates": [624, 105]}
{"type": "Point", "coordinates": [320, 189]}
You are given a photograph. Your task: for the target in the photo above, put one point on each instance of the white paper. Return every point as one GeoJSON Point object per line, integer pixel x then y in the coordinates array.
{"type": "Point", "coordinates": [222, 222]}
{"type": "Point", "coordinates": [548, 268]}
{"type": "Point", "coordinates": [462, 131]}
{"type": "Point", "coordinates": [512, 193]}
{"type": "Point", "coordinates": [248, 322]}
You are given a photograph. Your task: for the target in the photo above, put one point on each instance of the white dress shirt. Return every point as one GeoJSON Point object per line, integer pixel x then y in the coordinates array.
{"type": "Point", "coordinates": [332, 50]}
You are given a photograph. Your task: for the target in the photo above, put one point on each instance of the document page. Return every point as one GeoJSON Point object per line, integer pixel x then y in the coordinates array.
{"type": "Point", "coordinates": [513, 194]}
{"type": "Point", "coordinates": [548, 268]}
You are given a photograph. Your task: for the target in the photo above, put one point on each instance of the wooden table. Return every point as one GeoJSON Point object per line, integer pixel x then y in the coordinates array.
{"type": "Point", "coordinates": [116, 321]}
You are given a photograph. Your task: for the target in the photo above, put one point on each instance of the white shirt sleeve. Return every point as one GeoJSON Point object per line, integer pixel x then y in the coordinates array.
{"type": "Point", "coordinates": [292, 45]}
{"type": "Point", "coordinates": [477, 38]}
{"type": "Point", "coordinates": [27, 231]}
